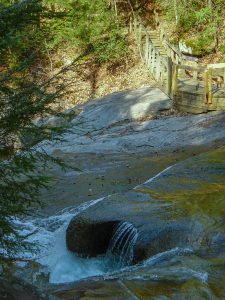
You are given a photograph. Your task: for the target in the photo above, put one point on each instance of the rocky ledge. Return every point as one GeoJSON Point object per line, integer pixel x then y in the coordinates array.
{"type": "Point", "coordinates": [137, 121]}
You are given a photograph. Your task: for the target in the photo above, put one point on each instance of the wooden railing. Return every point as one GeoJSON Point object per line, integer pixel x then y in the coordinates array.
{"type": "Point", "coordinates": [172, 51]}
{"type": "Point", "coordinates": [213, 76]}
{"type": "Point", "coordinates": [160, 66]}
{"type": "Point", "coordinates": [209, 75]}
{"type": "Point", "coordinates": [174, 68]}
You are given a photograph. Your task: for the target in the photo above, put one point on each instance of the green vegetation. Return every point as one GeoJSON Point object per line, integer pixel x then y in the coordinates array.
{"type": "Point", "coordinates": [81, 23]}
{"type": "Point", "coordinates": [22, 97]}
{"type": "Point", "coordinates": [200, 24]}
{"type": "Point", "coordinates": [30, 32]}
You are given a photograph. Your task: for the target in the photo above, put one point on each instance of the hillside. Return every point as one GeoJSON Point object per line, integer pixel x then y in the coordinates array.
{"type": "Point", "coordinates": [198, 26]}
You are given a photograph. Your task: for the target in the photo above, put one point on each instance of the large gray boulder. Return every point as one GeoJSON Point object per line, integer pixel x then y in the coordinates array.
{"type": "Point", "coordinates": [137, 121]}
{"type": "Point", "coordinates": [165, 211]}
{"type": "Point", "coordinates": [89, 234]}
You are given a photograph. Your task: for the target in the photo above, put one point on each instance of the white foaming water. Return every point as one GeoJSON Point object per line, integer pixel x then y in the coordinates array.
{"type": "Point", "coordinates": [64, 266]}
{"type": "Point", "coordinates": [155, 177]}
{"type": "Point", "coordinates": [121, 247]}
{"type": "Point", "coordinates": [159, 174]}
{"type": "Point", "coordinates": [49, 233]}
{"type": "Point", "coordinates": [131, 272]}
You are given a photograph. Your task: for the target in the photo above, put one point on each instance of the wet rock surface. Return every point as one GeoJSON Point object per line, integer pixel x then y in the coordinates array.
{"type": "Point", "coordinates": [154, 234]}
{"type": "Point", "coordinates": [161, 224]}
{"type": "Point", "coordinates": [15, 289]}
{"type": "Point", "coordinates": [91, 240]}
{"type": "Point", "coordinates": [100, 175]}
{"type": "Point", "coordinates": [153, 237]}
{"type": "Point", "coordinates": [179, 216]}
{"type": "Point", "coordinates": [117, 143]}
{"type": "Point", "coordinates": [134, 290]}
{"type": "Point", "coordinates": [133, 122]}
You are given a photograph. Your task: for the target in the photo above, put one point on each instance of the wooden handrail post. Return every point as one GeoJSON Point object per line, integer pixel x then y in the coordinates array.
{"type": "Point", "coordinates": [153, 61]}
{"type": "Point", "coordinates": [174, 79]}
{"type": "Point", "coordinates": [224, 76]}
{"type": "Point", "coordinates": [135, 26]}
{"type": "Point", "coordinates": [168, 71]}
{"type": "Point", "coordinates": [161, 35]}
{"type": "Point", "coordinates": [210, 86]}
{"type": "Point", "coordinates": [150, 55]}
{"type": "Point", "coordinates": [169, 75]}
{"type": "Point", "coordinates": [195, 74]}
{"type": "Point", "coordinates": [206, 79]}
{"type": "Point", "coordinates": [140, 34]}
{"type": "Point", "coordinates": [131, 25]}
{"type": "Point", "coordinates": [146, 48]}
{"type": "Point", "coordinates": [158, 67]}
{"type": "Point", "coordinates": [139, 38]}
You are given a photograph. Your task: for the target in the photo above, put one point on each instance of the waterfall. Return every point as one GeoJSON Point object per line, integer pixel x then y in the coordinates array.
{"type": "Point", "coordinates": [121, 246]}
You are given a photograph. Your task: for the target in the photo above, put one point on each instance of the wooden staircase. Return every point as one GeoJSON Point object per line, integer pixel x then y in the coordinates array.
{"type": "Point", "coordinates": [189, 84]}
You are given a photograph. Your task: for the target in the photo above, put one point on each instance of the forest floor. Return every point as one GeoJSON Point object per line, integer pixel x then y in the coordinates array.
{"type": "Point", "coordinates": [92, 79]}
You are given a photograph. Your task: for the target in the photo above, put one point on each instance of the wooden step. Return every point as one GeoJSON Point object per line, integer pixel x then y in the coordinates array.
{"type": "Point", "coordinates": [192, 108]}
{"type": "Point", "coordinates": [152, 32]}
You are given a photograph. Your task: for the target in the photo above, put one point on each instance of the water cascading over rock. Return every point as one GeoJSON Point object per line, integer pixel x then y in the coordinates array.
{"type": "Point", "coordinates": [121, 246]}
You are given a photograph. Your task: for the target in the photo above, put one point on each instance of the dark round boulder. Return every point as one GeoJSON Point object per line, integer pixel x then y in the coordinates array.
{"type": "Point", "coordinates": [89, 233]}
{"type": "Point", "coordinates": [89, 239]}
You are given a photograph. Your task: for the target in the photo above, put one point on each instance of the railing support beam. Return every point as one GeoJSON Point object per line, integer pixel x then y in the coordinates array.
{"type": "Point", "coordinates": [174, 80]}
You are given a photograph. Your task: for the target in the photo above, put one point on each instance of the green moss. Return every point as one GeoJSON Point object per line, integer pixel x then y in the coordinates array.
{"type": "Point", "coordinates": [203, 42]}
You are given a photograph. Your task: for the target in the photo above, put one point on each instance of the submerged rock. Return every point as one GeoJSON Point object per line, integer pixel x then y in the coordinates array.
{"type": "Point", "coordinates": [89, 240]}
{"type": "Point", "coordinates": [180, 208]}
{"type": "Point", "coordinates": [168, 211]}
{"type": "Point", "coordinates": [89, 234]}
{"type": "Point", "coordinates": [16, 289]}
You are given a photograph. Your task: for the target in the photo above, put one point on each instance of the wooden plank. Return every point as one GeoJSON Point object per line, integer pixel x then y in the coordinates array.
{"type": "Point", "coordinates": [210, 86]}
{"type": "Point", "coordinates": [195, 75]}
{"type": "Point", "coordinates": [131, 25]}
{"type": "Point", "coordinates": [140, 34]}
{"type": "Point", "coordinates": [190, 68]}
{"type": "Point", "coordinates": [135, 25]}
{"type": "Point", "coordinates": [169, 52]}
{"type": "Point", "coordinates": [173, 49]}
{"type": "Point", "coordinates": [189, 58]}
{"type": "Point", "coordinates": [191, 108]}
{"type": "Point", "coordinates": [190, 94]}
{"type": "Point", "coordinates": [164, 60]}
{"type": "Point", "coordinates": [156, 17]}
{"type": "Point", "coordinates": [216, 66]}
{"type": "Point", "coordinates": [139, 19]}
{"type": "Point", "coordinates": [206, 79]}
{"type": "Point", "coordinates": [174, 80]}
{"type": "Point", "coordinates": [169, 75]}
{"type": "Point", "coordinates": [150, 55]}
{"type": "Point", "coordinates": [146, 49]}
{"type": "Point", "coordinates": [161, 34]}
{"type": "Point", "coordinates": [157, 50]}
{"type": "Point", "coordinates": [153, 61]}
{"type": "Point", "coordinates": [158, 67]}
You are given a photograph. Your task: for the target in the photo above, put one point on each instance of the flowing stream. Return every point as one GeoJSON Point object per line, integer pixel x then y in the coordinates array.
{"type": "Point", "coordinates": [195, 190]}
{"type": "Point", "coordinates": [49, 234]}
{"type": "Point", "coordinates": [121, 247]}
{"type": "Point", "coordinates": [65, 266]}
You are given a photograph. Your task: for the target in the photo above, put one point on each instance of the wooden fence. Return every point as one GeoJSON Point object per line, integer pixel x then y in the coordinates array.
{"type": "Point", "coordinates": [159, 65]}
{"type": "Point", "coordinates": [191, 85]}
